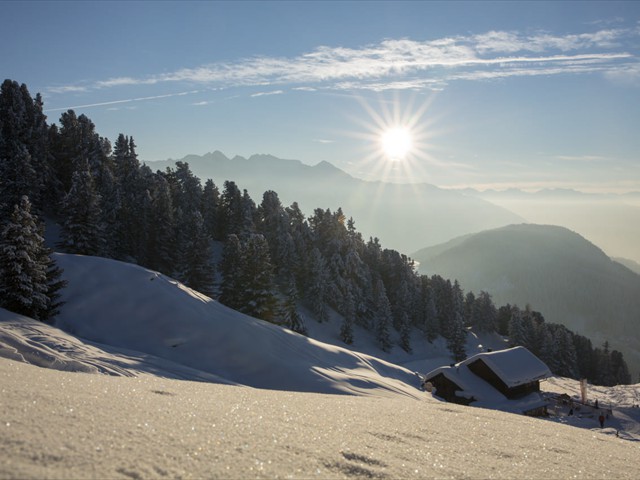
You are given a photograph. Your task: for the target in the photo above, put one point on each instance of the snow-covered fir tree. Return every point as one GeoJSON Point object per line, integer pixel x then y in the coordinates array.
{"type": "Point", "coordinates": [18, 174]}
{"type": "Point", "coordinates": [210, 208]}
{"type": "Point", "coordinates": [231, 211]}
{"type": "Point", "coordinates": [274, 225]}
{"type": "Point", "coordinates": [232, 268]}
{"type": "Point", "coordinates": [291, 316]}
{"type": "Point", "coordinates": [517, 332]}
{"type": "Point", "coordinates": [483, 313]}
{"type": "Point", "coordinates": [318, 285]}
{"type": "Point", "coordinates": [348, 311]}
{"type": "Point", "coordinates": [25, 265]}
{"type": "Point", "coordinates": [258, 283]}
{"type": "Point", "coordinates": [383, 318]}
{"type": "Point", "coordinates": [81, 231]}
{"type": "Point", "coordinates": [431, 324]}
{"type": "Point", "coordinates": [456, 333]}
{"type": "Point", "coordinates": [197, 266]}
{"type": "Point", "coordinates": [405, 333]}
{"type": "Point", "coordinates": [131, 200]}
{"type": "Point", "coordinates": [161, 246]}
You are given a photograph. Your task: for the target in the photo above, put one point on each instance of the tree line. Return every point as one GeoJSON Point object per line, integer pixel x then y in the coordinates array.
{"type": "Point", "coordinates": [273, 258]}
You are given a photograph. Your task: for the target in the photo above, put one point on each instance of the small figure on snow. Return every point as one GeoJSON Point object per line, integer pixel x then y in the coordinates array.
{"type": "Point", "coordinates": [596, 403]}
{"type": "Point", "coordinates": [601, 419]}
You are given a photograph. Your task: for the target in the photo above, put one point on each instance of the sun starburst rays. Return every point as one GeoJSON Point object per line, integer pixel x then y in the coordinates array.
{"type": "Point", "coordinates": [397, 138]}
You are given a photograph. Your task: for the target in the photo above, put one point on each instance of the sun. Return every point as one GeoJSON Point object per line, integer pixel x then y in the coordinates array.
{"type": "Point", "coordinates": [395, 135]}
{"type": "Point", "coordinates": [396, 143]}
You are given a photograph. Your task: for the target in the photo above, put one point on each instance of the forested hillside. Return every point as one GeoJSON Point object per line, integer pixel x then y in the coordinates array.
{"type": "Point", "coordinates": [274, 258]}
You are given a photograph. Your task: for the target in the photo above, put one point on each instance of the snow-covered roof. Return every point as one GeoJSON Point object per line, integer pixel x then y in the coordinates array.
{"type": "Point", "coordinates": [515, 366]}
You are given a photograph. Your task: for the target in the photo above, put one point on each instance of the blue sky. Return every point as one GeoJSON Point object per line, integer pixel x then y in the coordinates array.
{"type": "Point", "coordinates": [499, 95]}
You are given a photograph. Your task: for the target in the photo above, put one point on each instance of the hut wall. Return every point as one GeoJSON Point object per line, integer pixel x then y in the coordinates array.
{"type": "Point", "coordinates": [446, 389]}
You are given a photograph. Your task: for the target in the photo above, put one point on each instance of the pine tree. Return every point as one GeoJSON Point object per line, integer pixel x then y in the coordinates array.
{"type": "Point", "coordinates": [348, 311]}
{"type": "Point", "coordinates": [318, 285]}
{"type": "Point", "coordinates": [469, 302]}
{"type": "Point", "coordinates": [456, 334]}
{"type": "Point", "coordinates": [232, 268]}
{"type": "Point", "coordinates": [75, 144]}
{"type": "Point", "coordinates": [291, 317]}
{"type": "Point", "coordinates": [549, 351]}
{"type": "Point", "coordinates": [55, 284]}
{"type": "Point", "coordinates": [567, 353]}
{"type": "Point", "coordinates": [383, 318]}
{"type": "Point", "coordinates": [259, 287]}
{"type": "Point", "coordinates": [274, 225]}
{"type": "Point", "coordinates": [405, 333]}
{"type": "Point", "coordinates": [24, 271]}
{"type": "Point", "coordinates": [517, 333]}
{"type": "Point", "coordinates": [128, 244]}
{"type": "Point", "coordinates": [248, 285]}
{"type": "Point", "coordinates": [210, 208]}
{"type": "Point", "coordinates": [621, 375]}
{"type": "Point", "coordinates": [605, 372]}
{"type": "Point", "coordinates": [197, 264]}
{"type": "Point", "coordinates": [249, 214]}
{"type": "Point", "coordinates": [81, 231]}
{"type": "Point", "coordinates": [18, 175]}
{"type": "Point", "coordinates": [431, 323]}
{"type": "Point", "coordinates": [483, 313]}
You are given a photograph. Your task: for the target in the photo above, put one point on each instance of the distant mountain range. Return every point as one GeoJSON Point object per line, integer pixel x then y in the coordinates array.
{"type": "Point", "coordinates": [557, 271]}
{"type": "Point", "coordinates": [611, 221]}
{"type": "Point", "coordinates": [404, 217]}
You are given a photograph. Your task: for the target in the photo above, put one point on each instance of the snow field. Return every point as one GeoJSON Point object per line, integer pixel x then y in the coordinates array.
{"type": "Point", "coordinates": [59, 424]}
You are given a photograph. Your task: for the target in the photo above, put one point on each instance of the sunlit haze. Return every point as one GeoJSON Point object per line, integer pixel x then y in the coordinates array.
{"type": "Point", "coordinates": [468, 94]}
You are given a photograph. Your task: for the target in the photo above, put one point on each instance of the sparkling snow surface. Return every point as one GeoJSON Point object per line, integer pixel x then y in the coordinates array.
{"type": "Point", "coordinates": [73, 425]}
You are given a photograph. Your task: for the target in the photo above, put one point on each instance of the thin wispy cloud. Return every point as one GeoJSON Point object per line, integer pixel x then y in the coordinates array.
{"type": "Point", "coordinates": [263, 94]}
{"type": "Point", "coordinates": [67, 89]}
{"type": "Point", "coordinates": [411, 64]}
{"type": "Point", "coordinates": [117, 102]}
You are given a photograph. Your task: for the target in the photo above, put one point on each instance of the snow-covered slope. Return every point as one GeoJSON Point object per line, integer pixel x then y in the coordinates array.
{"type": "Point", "coordinates": [127, 306]}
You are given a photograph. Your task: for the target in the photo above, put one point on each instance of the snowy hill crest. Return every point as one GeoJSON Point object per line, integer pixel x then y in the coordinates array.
{"type": "Point", "coordinates": [131, 307]}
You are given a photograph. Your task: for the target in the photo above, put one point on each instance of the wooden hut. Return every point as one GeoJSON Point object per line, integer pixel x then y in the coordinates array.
{"type": "Point", "coordinates": [508, 379]}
